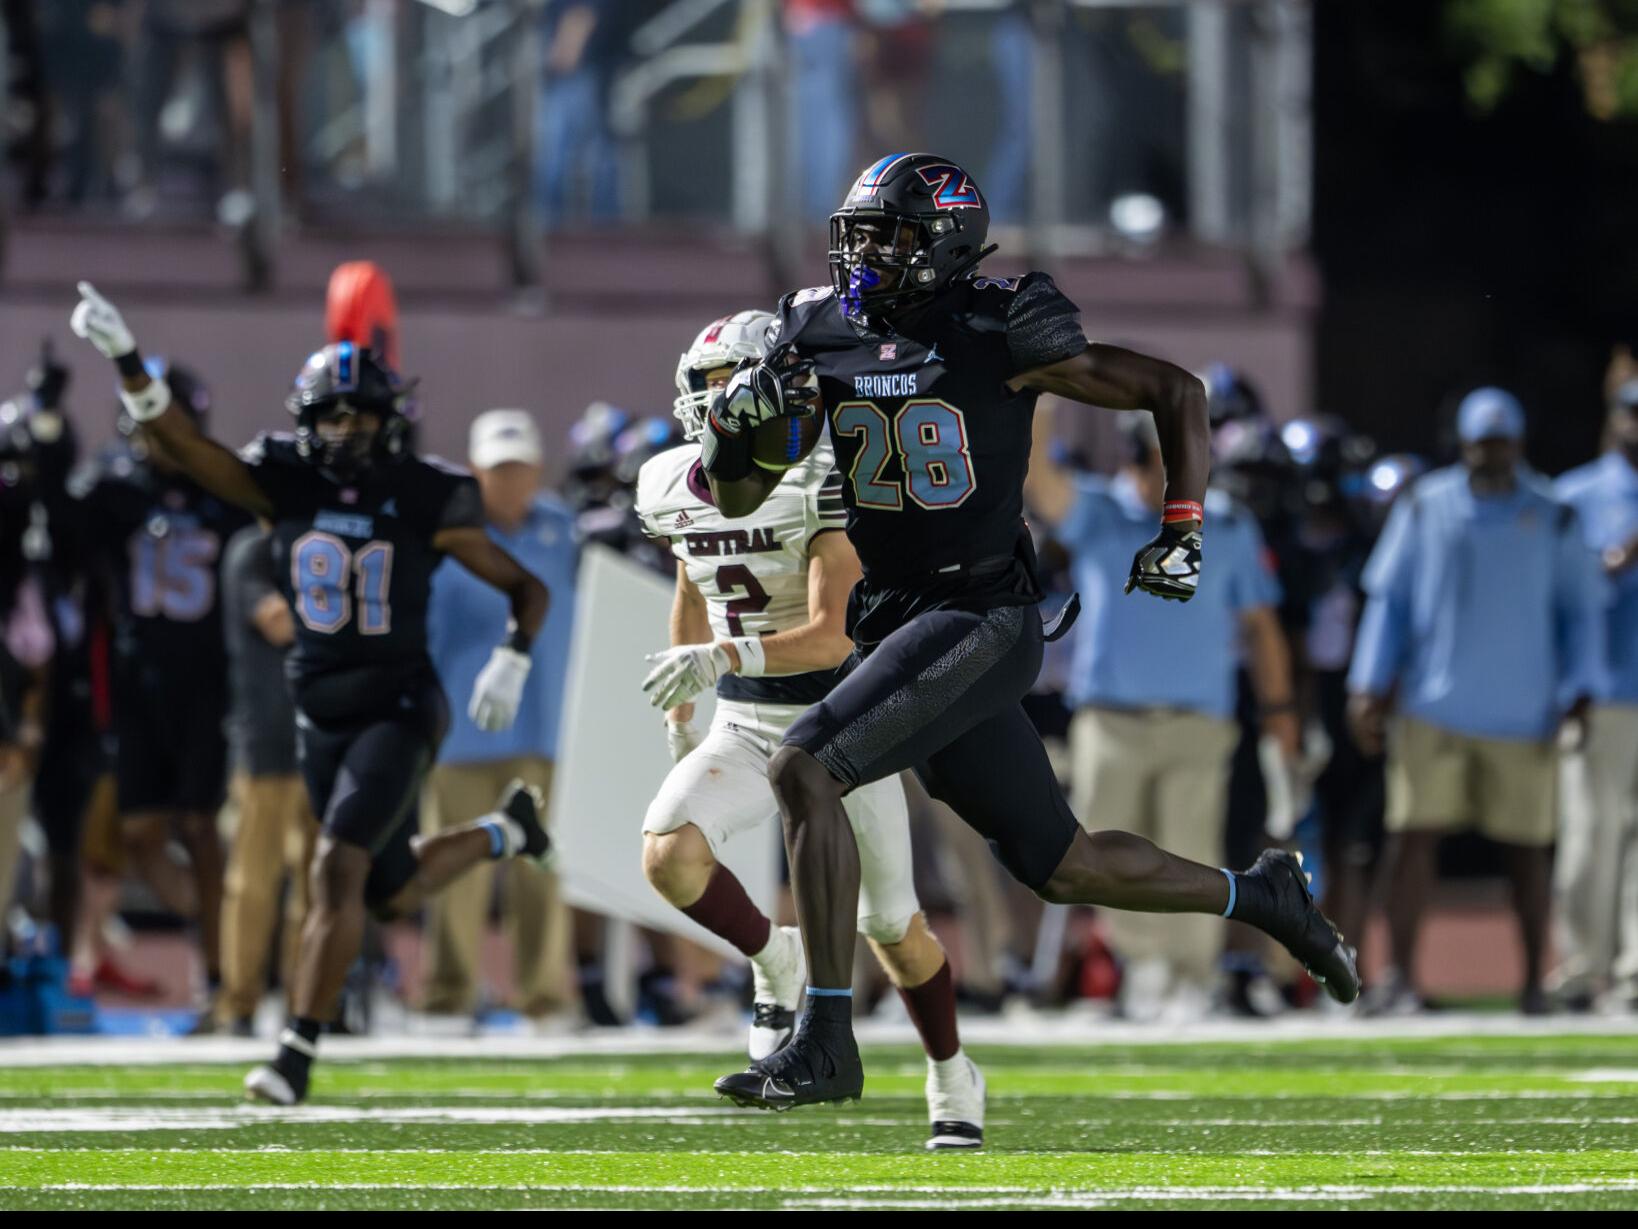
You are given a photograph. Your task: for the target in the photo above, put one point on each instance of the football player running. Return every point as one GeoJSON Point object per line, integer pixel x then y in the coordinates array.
{"type": "Point", "coordinates": [359, 525]}
{"type": "Point", "coordinates": [928, 375]}
{"type": "Point", "coordinates": [760, 612]}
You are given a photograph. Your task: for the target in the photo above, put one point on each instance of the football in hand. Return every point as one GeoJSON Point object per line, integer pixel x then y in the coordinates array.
{"type": "Point", "coordinates": [782, 442]}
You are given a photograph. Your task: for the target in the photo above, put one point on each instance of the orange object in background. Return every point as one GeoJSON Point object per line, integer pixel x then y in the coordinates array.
{"type": "Point", "coordinates": [360, 307]}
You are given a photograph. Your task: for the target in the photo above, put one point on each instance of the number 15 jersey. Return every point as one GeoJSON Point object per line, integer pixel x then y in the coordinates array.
{"type": "Point", "coordinates": [931, 442]}
{"type": "Point", "coordinates": [355, 561]}
{"type": "Point", "coordinates": [752, 572]}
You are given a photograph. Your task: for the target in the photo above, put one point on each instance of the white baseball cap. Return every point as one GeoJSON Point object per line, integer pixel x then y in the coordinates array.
{"type": "Point", "coordinates": [499, 436]}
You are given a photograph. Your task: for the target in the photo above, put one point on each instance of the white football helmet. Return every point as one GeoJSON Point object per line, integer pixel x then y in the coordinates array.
{"type": "Point", "coordinates": [722, 343]}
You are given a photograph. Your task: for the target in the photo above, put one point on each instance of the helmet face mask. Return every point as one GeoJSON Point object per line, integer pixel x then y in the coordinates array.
{"type": "Point", "coordinates": [723, 343]}
{"type": "Point", "coordinates": [909, 227]}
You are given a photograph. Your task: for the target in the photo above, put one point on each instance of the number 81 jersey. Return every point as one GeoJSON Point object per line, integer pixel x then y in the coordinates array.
{"type": "Point", "coordinates": [355, 561]}
{"type": "Point", "coordinates": [753, 571]}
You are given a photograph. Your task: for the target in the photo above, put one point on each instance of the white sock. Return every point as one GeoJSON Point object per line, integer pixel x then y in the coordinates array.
{"type": "Point", "coordinates": [770, 949]}
{"type": "Point", "coordinates": [952, 1068]}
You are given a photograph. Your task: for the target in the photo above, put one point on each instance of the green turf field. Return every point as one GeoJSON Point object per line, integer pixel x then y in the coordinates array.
{"type": "Point", "coordinates": [1492, 1122]}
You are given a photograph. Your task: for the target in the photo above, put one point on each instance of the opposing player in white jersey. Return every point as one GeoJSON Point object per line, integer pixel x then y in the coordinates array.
{"type": "Point", "coordinates": [760, 611]}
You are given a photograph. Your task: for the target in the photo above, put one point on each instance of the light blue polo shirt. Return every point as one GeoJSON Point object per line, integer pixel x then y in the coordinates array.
{"type": "Point", "coordinates": [1138, 651]}
{"type": "Point", "coordinates": [1605, 497]}
{"type": "Point", "coordinates": [466, 619]}
{"type": "Point", "coordinates": [1487, 612]}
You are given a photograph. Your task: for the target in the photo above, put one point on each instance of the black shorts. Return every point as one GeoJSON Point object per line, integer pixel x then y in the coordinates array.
{"type": "Point", "coordinates": [942, 695]}
{"type": "Point", "coordinates": [364, 780]}
{"type": "Point", "coordinates": [172, 752]}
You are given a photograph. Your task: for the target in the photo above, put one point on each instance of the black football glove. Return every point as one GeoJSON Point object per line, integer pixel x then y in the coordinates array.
{"type": "Point", "coordinates": [780, 385]}
{"type": "Point", "coordinates": [1169, 566]}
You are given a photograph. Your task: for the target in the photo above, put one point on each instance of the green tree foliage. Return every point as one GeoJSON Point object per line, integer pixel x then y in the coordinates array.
{"type": "Point", "coordinates": [1498, 39]}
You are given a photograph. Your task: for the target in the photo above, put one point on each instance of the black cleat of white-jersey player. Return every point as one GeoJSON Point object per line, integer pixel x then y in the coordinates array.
{"type": "Point", "coordinates": [359, 523]}
{"type": "Point", "coordinates": [928, 374]}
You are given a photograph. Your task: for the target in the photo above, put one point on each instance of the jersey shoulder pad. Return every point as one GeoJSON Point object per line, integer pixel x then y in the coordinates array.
{"type": "Point", "coordinates": [800, 310]}
{"type": "Point", "coordinates": [662, 486]}
{"type": "Point", "coordinates": [438, 495]}
{"type": "Point", "coordinates": [1043, 326]}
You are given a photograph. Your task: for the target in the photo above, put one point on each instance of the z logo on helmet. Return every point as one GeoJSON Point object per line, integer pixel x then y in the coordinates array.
{"type": "Point", "coordinates": [952, 189]}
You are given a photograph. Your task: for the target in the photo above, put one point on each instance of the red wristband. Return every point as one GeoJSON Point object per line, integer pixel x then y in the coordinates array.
{"type": "Point", "coordinates": [1176, 510]}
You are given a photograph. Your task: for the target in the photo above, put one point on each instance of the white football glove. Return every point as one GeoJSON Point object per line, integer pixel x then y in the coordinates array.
{"type": "Point", "coordinates": [499, 690]}
{"type": "Point", "coordinates": [99, 322]}
{"type": "Point", "coordinates": [681, 673]}
{"type": "Point", "coordinates": [681, 737]}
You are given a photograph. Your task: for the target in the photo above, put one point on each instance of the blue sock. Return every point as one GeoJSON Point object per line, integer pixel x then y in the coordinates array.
{"type": "Point", "coordinates": [497, 837]}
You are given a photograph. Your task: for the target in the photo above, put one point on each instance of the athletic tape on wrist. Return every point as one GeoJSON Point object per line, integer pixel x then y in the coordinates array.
{"type": "Point", "coordinates": [148, 402]}
{"type": "Point", "coordinates": [753, 658]}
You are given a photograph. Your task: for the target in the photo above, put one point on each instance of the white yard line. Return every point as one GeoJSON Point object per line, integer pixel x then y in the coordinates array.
{"type": "Point", "coordinates": [894, 1194]}
{"type": "Point", "coordinates": [1033, 1030]}
{"type": "Point", "coordinates": [122, 1120]}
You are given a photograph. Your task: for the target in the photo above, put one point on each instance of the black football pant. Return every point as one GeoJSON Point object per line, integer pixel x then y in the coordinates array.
{"type": "Point", "coordinates": [364, 780]}
{"type": "Point", "coordinates": [942, 695]}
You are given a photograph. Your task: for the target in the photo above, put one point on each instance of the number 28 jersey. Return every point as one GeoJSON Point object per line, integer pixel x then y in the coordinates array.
{"type": "Point", "coordinates": [932, 444]}
{"type": "Point", "coordinates": [752, 572]}
{"type": "Point", "coordinates": [355, 560]}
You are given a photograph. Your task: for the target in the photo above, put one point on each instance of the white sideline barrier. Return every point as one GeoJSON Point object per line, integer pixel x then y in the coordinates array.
{"type": "Point", "coordinates": [612, 755]}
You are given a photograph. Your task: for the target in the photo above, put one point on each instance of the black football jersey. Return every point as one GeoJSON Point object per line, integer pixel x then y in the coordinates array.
{"type": "Point", "coordinates": [355, 560]}
{"type": "Point", "coordinates": [162, 538]}
{"type": "Point", "coordinates": [932, 443]}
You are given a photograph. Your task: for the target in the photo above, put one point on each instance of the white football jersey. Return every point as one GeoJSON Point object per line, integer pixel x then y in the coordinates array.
{"type": "Point", "coordinates": [753, 571]}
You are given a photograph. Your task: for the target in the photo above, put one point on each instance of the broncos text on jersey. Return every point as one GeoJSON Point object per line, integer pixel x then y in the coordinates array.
{"type": "Point", "coordinates": [355, 562]}
{"type": "Point", "coordinates": [932, 443]}
{"type": "Point", "coordinates": [752, 571]}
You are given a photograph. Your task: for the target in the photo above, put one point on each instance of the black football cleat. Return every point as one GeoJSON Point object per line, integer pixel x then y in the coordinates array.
{"type": "Point", "coordinates": [818, 1065]}
{"type": "Point", "coordinates": [1274, 897]}
{"type": "Point", "coordinates": [527, 805]}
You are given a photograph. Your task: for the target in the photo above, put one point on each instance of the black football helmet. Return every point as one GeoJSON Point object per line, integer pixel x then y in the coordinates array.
{"type": "Point", "coordinates": [345, 380]}
{"type": "Point", "coordinates": [910, 225]}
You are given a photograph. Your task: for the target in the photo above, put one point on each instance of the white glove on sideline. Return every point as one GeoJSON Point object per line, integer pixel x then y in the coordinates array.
{"type": "Point", "coordinates": [681, 673]}
{"type": "Point", "coordinates": [499, 690]}
{"type": "Point", "coordinates": [99, 322]}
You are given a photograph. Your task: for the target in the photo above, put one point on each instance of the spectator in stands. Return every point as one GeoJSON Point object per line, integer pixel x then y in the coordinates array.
{"type": "Point", "coordinates": [1484, 629]}
{"type": "Point", "coordinates": [576, 167]}
{"type": "Point", "coordinates": [465, 618]}
{"type": "Point", "coordinates": [1012, 58]}
{"type": "Point", "coordinates": [1147, 681]}
{"type": "Point", "coordinates": [1597, 869]}
{"type": "Point", "coordinates": [823, 108]}
{"type": "Point", "coordinates": [273, 844]}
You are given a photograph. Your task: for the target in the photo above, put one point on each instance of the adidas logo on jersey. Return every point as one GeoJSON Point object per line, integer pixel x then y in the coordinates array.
{"type": "Point", "coordinates": [683, 521]}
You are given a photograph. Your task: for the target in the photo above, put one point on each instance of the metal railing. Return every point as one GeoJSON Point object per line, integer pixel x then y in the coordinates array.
{"type": "Point", "coordinates": [441, 120]}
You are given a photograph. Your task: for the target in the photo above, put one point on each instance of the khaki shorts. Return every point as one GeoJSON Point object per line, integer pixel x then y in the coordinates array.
{"type": "Point", "coordinates": [1439, 780]}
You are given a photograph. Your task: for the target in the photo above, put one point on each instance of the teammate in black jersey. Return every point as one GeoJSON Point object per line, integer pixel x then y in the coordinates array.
{"type": "Point", "coordinates": [159, 538]}
{"type": "Point", "coordinates": [359, 524]}
{"type": "Point", "coordinates": [928, 375]}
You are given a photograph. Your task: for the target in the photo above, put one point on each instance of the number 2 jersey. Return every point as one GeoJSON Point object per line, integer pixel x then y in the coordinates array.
{"type": "Point", "coordinates": [932, 444]}
{"type": "Point", "coordinates": [355, 560]}
{"type": "Point", "coordinates": [752, 572]}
